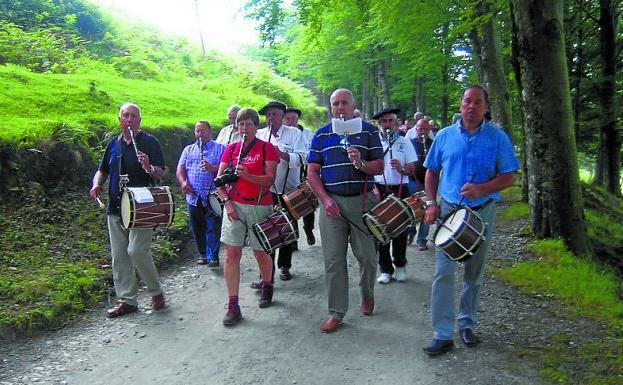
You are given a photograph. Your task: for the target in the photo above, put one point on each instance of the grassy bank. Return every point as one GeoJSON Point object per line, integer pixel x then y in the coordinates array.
{"type": "Point", "coordinates": [33, 105]}
{"type": "Point", "coordinates": [55, 261]}
{"type": "Point", "coordinates": [587, 289]}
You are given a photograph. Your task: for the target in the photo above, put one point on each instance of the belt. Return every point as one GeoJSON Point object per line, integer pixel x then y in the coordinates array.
{"type": "Point", "coordinates": [482, 205]}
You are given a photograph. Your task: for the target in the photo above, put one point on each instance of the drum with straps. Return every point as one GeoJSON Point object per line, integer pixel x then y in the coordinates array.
{"type": "Point", "coordinates": [388, 219]}
{"type": "Point", "coordinates": [276, 230]}
{"type": "Point", "coordinates": [216, 203]}
{"type": "Point", "coordinates": [416, 205]}
{"type": "Point", "coordinates": [460, 234]}
{"type": "Point", "coordinates": [300, 201]}
{"type": "Point", "coordinates": [146, 207]}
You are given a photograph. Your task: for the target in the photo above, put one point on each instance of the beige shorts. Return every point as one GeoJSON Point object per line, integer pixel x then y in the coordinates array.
{"type": "Point", "coordinates": [233, 233]}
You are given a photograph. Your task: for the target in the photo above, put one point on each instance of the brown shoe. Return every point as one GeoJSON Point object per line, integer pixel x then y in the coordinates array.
{"type": "Point", "coordinates": [157, 302]}
{"type": "Point", "coordinates": [330, 325]}
{"type": "Point", "coordinates": [266, 296]}
{"type": "Point", "coordinates": [120, 309]}
{"type": "Point", "coordinates": [367, 306]}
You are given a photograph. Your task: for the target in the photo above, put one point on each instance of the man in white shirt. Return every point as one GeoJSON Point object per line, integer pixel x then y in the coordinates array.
{"type": "Point", "coordinates": [291, 118]}
{"type": "Point", "coordinates": [292, 153]}
{"type": "Point", "coordinates": [229, 134]}
{"type": "Point", "coordinates": [399, 157]}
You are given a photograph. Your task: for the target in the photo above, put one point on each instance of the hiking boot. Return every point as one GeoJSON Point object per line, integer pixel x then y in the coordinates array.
{"type": "Point", "coordinates": [284, 274]}
{"type": "Point", "coordinates": [266, 296]}
{"type": "Point", "coordinates": [233, 315]}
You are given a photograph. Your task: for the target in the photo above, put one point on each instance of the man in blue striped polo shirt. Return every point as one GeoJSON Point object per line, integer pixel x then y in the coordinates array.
{"type": "Point", "coordinates": [340, 171]}
{"type": "Point", "coordinates": [468, 164]}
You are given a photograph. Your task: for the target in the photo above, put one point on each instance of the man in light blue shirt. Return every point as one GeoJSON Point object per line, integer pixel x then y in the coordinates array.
{"type": "Point", "coordinates": [196, 170]}
{"type": "Point", "coordinates": [468, 164]}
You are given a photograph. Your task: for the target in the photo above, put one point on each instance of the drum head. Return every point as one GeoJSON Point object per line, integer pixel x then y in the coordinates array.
{"type": "Point", "coordinates": [450, 226]}
{"type": "Point", "coordinates": [215, 204]}
{"type": "Point", "coordinates": [126, 209]}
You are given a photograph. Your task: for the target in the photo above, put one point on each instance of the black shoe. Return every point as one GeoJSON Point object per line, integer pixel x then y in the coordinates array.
{"type": "Point", "coordinates": [284, 274]}
{"type": "Point", "coordinates": [294, 246]}
{"type": "Point", "coordinates": [469, 338]}
{"type": "Point", "coordinates": [213, 263]}
{"type": "Point", "coordinates": [256, 285]}
{"type": "Point", "coordinates": [438, 347]}
{"type": "Point", "coordinates": [311, 239]}
{"type": "Point", "coordinates": [266, 296]}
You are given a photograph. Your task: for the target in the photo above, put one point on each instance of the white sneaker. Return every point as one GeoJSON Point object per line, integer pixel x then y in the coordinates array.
{"type": "Point", "coordinates": [401, 274]}
{"type": "Point", "coordinates": [384, 278]}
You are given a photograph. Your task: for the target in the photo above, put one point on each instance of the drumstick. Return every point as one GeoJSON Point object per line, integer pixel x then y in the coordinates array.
{"type": "Point", "coordinates": [354, 224]}
{"type": "Point", "coordinates": [99, 202]}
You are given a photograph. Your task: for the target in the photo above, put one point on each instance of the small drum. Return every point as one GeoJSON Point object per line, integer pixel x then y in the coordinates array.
{"type": "Point", "coordinates": [460, 233]}
{"type": "Point", "coordinates": [275, 231]}
{"type": "Point", "coordinates": [300, 201]}
{"type": "Point", "coordinates": [216, 203]}
{"type": "Point", "coordinates": [147, 207]}
{"type": "Point", "coordinates": [416, 204]}
{"type": "Point", "coordinates": [388, 219]}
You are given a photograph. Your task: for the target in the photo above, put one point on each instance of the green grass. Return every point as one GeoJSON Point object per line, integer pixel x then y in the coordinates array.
{"type": "Point", "coordinates": [515, 211]}
{"type": "Point", "coordinates": [587, 290]}
{"type": "Point", "coordinates": [33, 105]}
{"type": "Point", "coordinates": [55, 260]}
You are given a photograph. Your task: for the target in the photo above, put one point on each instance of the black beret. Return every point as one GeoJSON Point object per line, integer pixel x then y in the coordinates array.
{"type": "Point", "coordinates": [386, 111]}
{"type": "Point", "coordinates": [295, 110]}
{"type": "Point", "coordinates": [278, 105]}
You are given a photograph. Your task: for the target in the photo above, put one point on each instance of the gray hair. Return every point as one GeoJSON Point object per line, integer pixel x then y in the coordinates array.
{"type": "Point", "coordinates": [128, 104]}
{"type": "Point", "coordinates": [233, 108]}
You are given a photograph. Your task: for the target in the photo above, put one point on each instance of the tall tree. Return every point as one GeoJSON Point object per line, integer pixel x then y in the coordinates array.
{"type": "Point", "coordinates": [554, 188]}
{"type": "Point", "coordinates": [487, 47]}
{"type": "Point", "coordinates": [609, 165]}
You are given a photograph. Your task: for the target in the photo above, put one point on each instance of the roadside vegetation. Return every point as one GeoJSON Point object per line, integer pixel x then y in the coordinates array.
{"type": "Point", "coordinates": [586, 288]}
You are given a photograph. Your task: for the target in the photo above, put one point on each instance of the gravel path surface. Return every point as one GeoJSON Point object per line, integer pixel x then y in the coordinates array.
{"type": "Point", "coordinates": [187, 344]}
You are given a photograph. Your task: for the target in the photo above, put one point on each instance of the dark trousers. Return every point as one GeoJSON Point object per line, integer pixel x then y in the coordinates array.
{"type": "Point", "coordinates": [206, 228]}
{"type": "Point", "coordinates": [398, 244]}
{"type": "Point", "coordinates": [308, 221]}
{"type": "Point", "coordinates": [284, 258]}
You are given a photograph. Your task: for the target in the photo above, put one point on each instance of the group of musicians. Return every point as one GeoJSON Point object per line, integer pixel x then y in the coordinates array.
{"type": "Point", "coordinates": [249, 169]}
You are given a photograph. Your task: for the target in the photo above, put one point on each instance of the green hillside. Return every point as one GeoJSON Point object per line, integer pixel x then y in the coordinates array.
{"type": "Point", "coordinates": [65, 68]}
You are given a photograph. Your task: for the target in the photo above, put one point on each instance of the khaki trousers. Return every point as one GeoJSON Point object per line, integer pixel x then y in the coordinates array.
{"type": "Point", "coordinates": [131, 249]}
{"type": "Point", "coordinates": [335, 235]}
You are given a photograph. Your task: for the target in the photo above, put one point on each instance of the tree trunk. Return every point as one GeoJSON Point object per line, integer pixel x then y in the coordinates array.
{"type": "Point", "coordinates": [421, 99]}
{"type": "Point", "coordinates": [445, 77]}
{"type": "Point", "coordinates": [518, 83]}
{"type": "Point", "coordinates": [554, 187]}
{"type": "Point", "coordinates": [490, 67]}
{"type": "Point", "coordinates": [383, 85]}
{"type": "Point", "coordinates": [609, 140]}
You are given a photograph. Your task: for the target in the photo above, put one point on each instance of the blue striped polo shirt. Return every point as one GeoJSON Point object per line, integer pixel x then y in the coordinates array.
{"type": "Point", "coordinates": [337, 172]}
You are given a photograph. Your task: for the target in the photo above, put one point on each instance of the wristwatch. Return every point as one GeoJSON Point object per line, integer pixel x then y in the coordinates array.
{"type": "Point", "coordinates": [429, 202]}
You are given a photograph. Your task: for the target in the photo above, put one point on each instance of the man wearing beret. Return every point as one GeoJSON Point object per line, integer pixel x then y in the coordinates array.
{"type": "Point", "coordinates": [292, 153]}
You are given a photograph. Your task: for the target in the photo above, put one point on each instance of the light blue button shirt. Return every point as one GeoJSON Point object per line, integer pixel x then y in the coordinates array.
{"type": "Point", "coordinates": [463, 157]}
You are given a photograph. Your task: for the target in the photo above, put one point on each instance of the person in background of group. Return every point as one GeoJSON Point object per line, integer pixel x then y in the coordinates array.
{"type": "Point", "coordinates": [469, 163]}
{"type": "Point", "coordinates": [456, 117]}
{"type": "Point", "coordinates": [409, 123]}
{"type": "Point", "coordinates": [412, 133]}
{"type": "Point", "coordinates": [291, 118]}
{"type": "Point", "coordinates": [433, 128]}
{"type": "Point", "coordinates": [196, 170]}
{"type": "Point", "coordinates": [130, 248]}
{"type": "Point", "coordinates": [247, 201]}
{"type": "Point", "coordinates": [292, 153]}
{"type": "Point", "coordinates": [399, 158]}
{"type": "Point", "coordinates": [230, 133]}
{"type": "Point", "coordinates": [338, 177]}
{"type": "Point", "coordinates": [422, 143]}
{"type": "Point", "coordinates": [357, 113]}
{"type": "Point", "coordinates": [414, 186]}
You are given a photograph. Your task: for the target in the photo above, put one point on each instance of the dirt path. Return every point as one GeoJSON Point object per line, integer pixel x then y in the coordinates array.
{"type": "Point", "coordinates": [187, 344]}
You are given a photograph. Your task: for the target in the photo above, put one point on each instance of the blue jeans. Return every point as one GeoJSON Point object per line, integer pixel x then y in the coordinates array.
{"type": "Point", "coordinates": [442, 296]}
{"type": "Point", "coordinates": [422, 234]}
{"type": "Point", "coordinates": [206, 228]}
